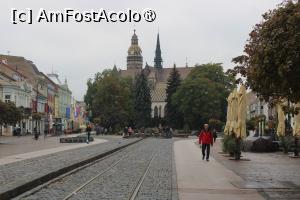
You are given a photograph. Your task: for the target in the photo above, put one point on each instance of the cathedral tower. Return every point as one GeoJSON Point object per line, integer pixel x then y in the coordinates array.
{"type": "Point", "coordinates": [134, 57]}
{"type": "Point", "coordinates": [157, 59]}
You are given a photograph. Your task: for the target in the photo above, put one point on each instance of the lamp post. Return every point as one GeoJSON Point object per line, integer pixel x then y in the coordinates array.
{"type": "Point", "coordinates": [261, 120]}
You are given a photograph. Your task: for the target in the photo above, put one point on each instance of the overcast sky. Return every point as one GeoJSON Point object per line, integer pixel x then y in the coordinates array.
{"type": "Point", "coordinates": [201, 30]}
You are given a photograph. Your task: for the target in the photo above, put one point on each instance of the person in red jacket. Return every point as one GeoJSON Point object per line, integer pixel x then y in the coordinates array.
{"type": "Point", "coordinates": [206, 139]}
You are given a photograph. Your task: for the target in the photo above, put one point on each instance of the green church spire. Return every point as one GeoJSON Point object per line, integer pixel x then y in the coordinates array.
{"type": "Point", "coordinates": [157, 59]}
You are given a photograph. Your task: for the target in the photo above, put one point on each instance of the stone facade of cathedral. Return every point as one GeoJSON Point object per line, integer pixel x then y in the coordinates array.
{"type": "Point", "coordinates": [157, 74]}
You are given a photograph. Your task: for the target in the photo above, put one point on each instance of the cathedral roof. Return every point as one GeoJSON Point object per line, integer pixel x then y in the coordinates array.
{"type": "Point", "coordinates": [164, 72]}
{"type": "Point", "coordinates": [158, 94]}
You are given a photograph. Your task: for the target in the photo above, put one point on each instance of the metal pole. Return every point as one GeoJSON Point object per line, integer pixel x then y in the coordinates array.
{"type": "Point", "coordinates": [296, 152]}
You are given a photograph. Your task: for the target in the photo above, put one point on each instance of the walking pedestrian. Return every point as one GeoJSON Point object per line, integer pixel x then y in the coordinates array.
{"type": "Point", "coordinates": [206, 140]}
{"type": "Point", "coordinates": [130, 131]}
{"type": "Point", "coordinates": [36, 134]}
{"type": "Point", "coordinates": [98, 129]}
{"type": "Point", "coordinates": [215, 135]}
{"type": "Point", "coordinates": [88, 132]}
{"type": "Point", "coordinates": [125, 131]}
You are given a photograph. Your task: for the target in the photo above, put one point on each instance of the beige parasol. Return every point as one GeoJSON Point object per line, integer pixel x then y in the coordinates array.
{"type": "Point", "coordinates": [242, 106]}
{"type": "Point", "coordinates": [296, 131]}
{"type": "Point", "coordinates": [227, 126]}
{"type": "Point", "coordinates": [234, 111]}
{"type": "Point", "coordinates": [281, 121]}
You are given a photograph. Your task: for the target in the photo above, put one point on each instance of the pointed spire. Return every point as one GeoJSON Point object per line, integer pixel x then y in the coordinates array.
{"type": "Point", "coordinates": [134, 39]}
{"type": "Point", "coordinates": [186, 62]}
{"type": "Point", "coordinates": [115, 68]}
{"type": "Point", "coordinates": [158, 59]}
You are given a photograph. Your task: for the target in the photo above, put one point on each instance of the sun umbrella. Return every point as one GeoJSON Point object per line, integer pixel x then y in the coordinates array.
{"type": "Point", "coordinates": [227, 126]}
{"type": "Point", "coordinates": [234, 111]}
{"type": "Point", "coordinates": [281, 121]}
{"type": "Point", "coordinates": [296, 131]}
{"type": "Point", "coordinates": [242, 106]}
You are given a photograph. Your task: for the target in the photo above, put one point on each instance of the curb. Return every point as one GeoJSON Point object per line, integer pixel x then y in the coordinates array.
{"type": "Point", "coordinates": [11, 193]}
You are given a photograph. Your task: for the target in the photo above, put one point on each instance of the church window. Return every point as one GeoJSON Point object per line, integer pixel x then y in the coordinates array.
{"type": "Point", "coordinates": [159, 111]}
{"type": "Point", "coordinates": [155, 111]}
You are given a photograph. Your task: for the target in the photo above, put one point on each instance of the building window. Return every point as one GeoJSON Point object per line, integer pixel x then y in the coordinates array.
{"type": "Point", "coordinates": [155, 111]}
{"type": "Point", "coordinates": [7, 98]}
{"type": "Point", "coordinates": [159, 111]}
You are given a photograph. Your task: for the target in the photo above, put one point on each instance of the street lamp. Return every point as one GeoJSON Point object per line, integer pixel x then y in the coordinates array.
{"type": "Point", "coordinates": [261, 119]}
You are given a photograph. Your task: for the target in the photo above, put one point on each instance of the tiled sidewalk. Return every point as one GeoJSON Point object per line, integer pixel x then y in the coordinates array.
{"type": "Point", "coordinates": [198, 179]}
{"type": "Point", "coordinates": [274, 175]}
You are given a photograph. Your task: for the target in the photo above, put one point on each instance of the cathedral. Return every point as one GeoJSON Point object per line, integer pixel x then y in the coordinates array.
{"type": "Point", "coordinates": [157, 74]}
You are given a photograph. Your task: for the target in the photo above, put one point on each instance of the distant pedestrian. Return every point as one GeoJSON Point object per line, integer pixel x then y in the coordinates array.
{"type": "Point", "coordinates": [45, 133]}
{"type": "Point", "coordinates": [130, 131]}
{"type": "Point", "coordinates": [98, 129]}
{"type": "Point", "coordinates": [88, 132]}
{"type": "Point", "coordinates": [206, 140]}
{"type": "Point", "coordinates": [125, 131]}
{"type": "Point", "coordinates": [215, 135]}
{"type": "Point", "coordinates": [171, 132]}
{"type": "Point", "coordinates": [19, 131]}
{"type": "Point", "coordinates": [36, 134]}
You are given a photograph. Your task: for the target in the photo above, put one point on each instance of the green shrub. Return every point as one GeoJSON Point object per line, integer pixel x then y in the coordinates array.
{"type": "Point", "coordinates": [231, 146]}
{"type": "Point", "coordinates": [286, 143]}
{"type": "Point", "coordinates": [228, 144]}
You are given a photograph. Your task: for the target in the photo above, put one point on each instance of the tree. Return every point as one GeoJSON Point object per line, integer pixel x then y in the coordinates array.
{"type": "Point", "coordinates": [10, 114]}
{"type": "Point", "coordinates": [271, 63]}
{"type": "Point", "coordinates": [202, 95]}
{"type": "Point", "coordinates": [109, 98]}
{"type": "Point", "coordinates": [173, 116]}
{"type": "Point", "coordinates": [141, 101]}
{"type": "Point", "coordinates": [216, 124]}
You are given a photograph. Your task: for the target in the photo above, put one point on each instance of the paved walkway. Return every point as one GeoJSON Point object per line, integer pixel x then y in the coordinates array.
{"type": "Point", "coordinates": [198, 179]}
{"type": "Point", "coordinates": [12, 145]}
{"type": "Point", "coordinates": [274, 175]}
{"type": "Point", "coordinates": [37, 148]}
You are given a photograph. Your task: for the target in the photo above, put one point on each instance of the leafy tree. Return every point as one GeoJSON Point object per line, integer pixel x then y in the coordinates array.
{"type": "Point", "coordinates": [202, 95]}
{"type": "Point", "coordinates": [252, 123]}
{"type": "Point", "coordinates": [37, 116]}
{"type": "Point", "coordinates": [271, 63]}
{"type": "Point", "coordinates": [174, 117]}
{"type": "Point", "coordinates": [215, 123]}
{"type": "Point", "coordinates": [10, 114]}
{"type": "Point", "coordinates": [109, 98]}
{"type": "Point", "coordinates": [141, 101]}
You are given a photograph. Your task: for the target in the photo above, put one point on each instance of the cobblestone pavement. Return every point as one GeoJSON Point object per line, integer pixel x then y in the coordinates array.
{"type": "Point", "coordinates": [274, 175]}
{"type": "Point", "coordinates": [120, 181]}
{"type": "Point", "coordinates": [18, 173]}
